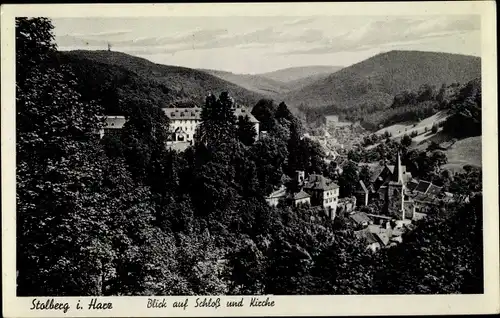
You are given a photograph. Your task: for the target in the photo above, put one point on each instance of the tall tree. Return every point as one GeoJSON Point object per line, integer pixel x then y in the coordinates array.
{"type": "Point", "coordinates": [246, 130]}
{"type": "Point", "coordinates": [442, 256]}
{"type": "Point", "coordinates": [348, 179]}
{"type": "Point", "coordinates": [218, 122]}
{"type": "Point", "coordinates": [58, 172]}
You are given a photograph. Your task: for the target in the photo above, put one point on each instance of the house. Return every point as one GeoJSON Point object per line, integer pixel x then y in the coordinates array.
{"type": "Point", "coordinates": [346, 205]}
{"type": "Point", "coordinates": [317, 191]}
{"type": "Point", "coordinates": [112, 125]}
{"type": "Point", "coordinates": [275, 197]}
{"type": "Point", "coordinates": [324, 192]}
{"type": "Point", "coordinates": [380, 236]}
{"type": "Point", "coordinates": [299, 198]}
{"type": "Point", "coordinates": [362, 193]}
{"type": "Point", "coordinates": [427, 197]}
{"type": "Point", "coordinates": [361, 219]}
{"type": "Point", "coordinates": [372, 242]}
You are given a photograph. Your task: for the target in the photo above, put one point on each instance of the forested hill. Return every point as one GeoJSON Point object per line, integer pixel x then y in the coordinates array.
{"type": "Point", "coordinates": [105, 75]}
{"type": "Point", "coordinates": [255, 83]}
{"type": "Point", "coordinates": [372, 84]}
{"type": "Point", "coordinates": [292, 74]}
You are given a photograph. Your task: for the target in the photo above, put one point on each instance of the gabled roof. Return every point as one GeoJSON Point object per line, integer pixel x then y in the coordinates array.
{"type": "Point", "coordinates": [384, 237]}
{"type": "Point", "coordinates": [244, 112]}
{"type": "Point", "coordinates": [434, 190]}
{"type": "Point", "coordinates": [360, 217]}
{"type": "Point", "coordinates": [391, 168]}
{"type": "Point", "coordinates": [412, 185]}
{"type": "Point", "coordinates": [362, 185]}
{"type": "Point", "coordinates": [319, 182]}
{"type": "Point", "coordinates": [114, 122]}
{"type": "Point", "coordinates": [179, 145]}
{"type": "Point", "coordinates": [366, 235]}
{"type": "Point", "coordinates": [280, 193]}
{"type": "Point", "coordinates": [194, 113]}
{"type": "Point", "coordinates": [377, 170]}
{"type": "Point", "coordinates": [300, 195]}
{"type": "Point", "coordinates": [422, 186]}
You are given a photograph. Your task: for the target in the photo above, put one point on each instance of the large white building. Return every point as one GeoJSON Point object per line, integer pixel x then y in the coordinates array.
{"type": "Point", "coordinates": [183, 123]}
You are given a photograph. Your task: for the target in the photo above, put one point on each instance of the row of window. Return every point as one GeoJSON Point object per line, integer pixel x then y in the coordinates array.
{"type": "Point", "coordinates": [187, 128]}
{"type": "Point", "coordinates": [188, 121]}
{"type": "Point", "coordinates": [330, 200]}
{"type": "Point", "coordinates": [328, 193]}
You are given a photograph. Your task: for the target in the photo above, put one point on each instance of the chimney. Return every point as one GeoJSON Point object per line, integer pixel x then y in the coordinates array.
{"type": "Point", "coordinates": [300, 177]}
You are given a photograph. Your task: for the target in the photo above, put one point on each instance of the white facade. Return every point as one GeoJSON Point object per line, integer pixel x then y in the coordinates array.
{"type": "Point", "coordinates": [275, 197]}
{"type": "Point", "coordinates": [331, 198]}
{"type": "Point", "coordinates": [184, 129]}
{"type": "Point", "coordinates": [184, 121]}
{"type": "Point", "coordinates": [301, 201]}
{"type": "Point", "coordinates": [112, 123]}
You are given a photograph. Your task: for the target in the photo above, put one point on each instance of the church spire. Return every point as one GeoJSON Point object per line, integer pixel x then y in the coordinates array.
{"type": "Point", "coordinates": [397, 175]}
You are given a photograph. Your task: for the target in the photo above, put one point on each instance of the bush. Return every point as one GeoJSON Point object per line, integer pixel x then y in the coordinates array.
{"type": "Point", "coordinates": [434, 129]}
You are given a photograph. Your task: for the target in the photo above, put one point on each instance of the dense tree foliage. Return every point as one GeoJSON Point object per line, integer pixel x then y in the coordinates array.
{"type": "Point", "coordinates": [444, 255]}
{"type": "Point", "coordinates": [465, 120]}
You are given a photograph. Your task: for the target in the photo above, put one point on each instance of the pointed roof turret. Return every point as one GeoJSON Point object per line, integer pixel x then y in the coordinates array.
{"type": "Point", "coordinates": [397, 175]}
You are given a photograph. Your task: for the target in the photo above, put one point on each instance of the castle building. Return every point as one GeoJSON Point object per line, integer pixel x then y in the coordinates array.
{"type": "Point", "coordinates": [183, 123]}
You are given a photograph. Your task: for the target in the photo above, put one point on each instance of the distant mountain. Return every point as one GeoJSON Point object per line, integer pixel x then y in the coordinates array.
{"type": "Point", "coordinates": [296, 73]}
{"type": "Point", "coordinates": [109, 76]}
{"type": "Point", "coordinates": [373, 83]}
{"type": "Point", "coordinates": [255, 83]}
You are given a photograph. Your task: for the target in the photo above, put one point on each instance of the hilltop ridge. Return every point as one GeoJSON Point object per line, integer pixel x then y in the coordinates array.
{"type": "Point", "coordinates": [161, 84]}
{"type": "Point", "coordinates": [372, 83]}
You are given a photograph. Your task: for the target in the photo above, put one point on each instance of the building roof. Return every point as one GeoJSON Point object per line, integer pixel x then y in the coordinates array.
{"type": "Point", "coordinates": [412, 185]}
{"type": "Point", "coordinates": [114, 122]}
{"type": "Point", "coordinates": [319, 182]}
{"type": "Point", "coordinates": [242, 111]}
{"type": "Point", "coordinates": [360, 217]}
{"type": "Point", "coordinates": [362, 185]}
{"type": "Point", "coordinates": [384, 237]}
{"type": "Point", "coordinates": [366, 235]}
{"type": "Point", "coordinates": [378, 216]}
{"type": "Point", "coordinates": [179, 145]}
{"type": "Point", "coordinates": [280, 193]}
{"type": "Point", "coordinates": [424, 187]}
{"type": "Point", "coordinates": [194, 113]}
{"type": "Point", "coordinates": [300, 195]}
{"type": "Point", "coordinates": [434, 190]}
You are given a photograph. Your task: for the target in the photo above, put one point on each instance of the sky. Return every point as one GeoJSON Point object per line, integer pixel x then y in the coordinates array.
{"type": "Point", "coordinates": [252, 45]}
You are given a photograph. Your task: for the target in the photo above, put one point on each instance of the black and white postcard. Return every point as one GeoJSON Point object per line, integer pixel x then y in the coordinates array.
{"type": "Point", "coordinates": [249, 159]}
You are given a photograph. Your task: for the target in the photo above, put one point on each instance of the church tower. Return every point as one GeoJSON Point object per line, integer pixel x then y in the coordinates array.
{"type": "Point", "coordinates": [395, 191]}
